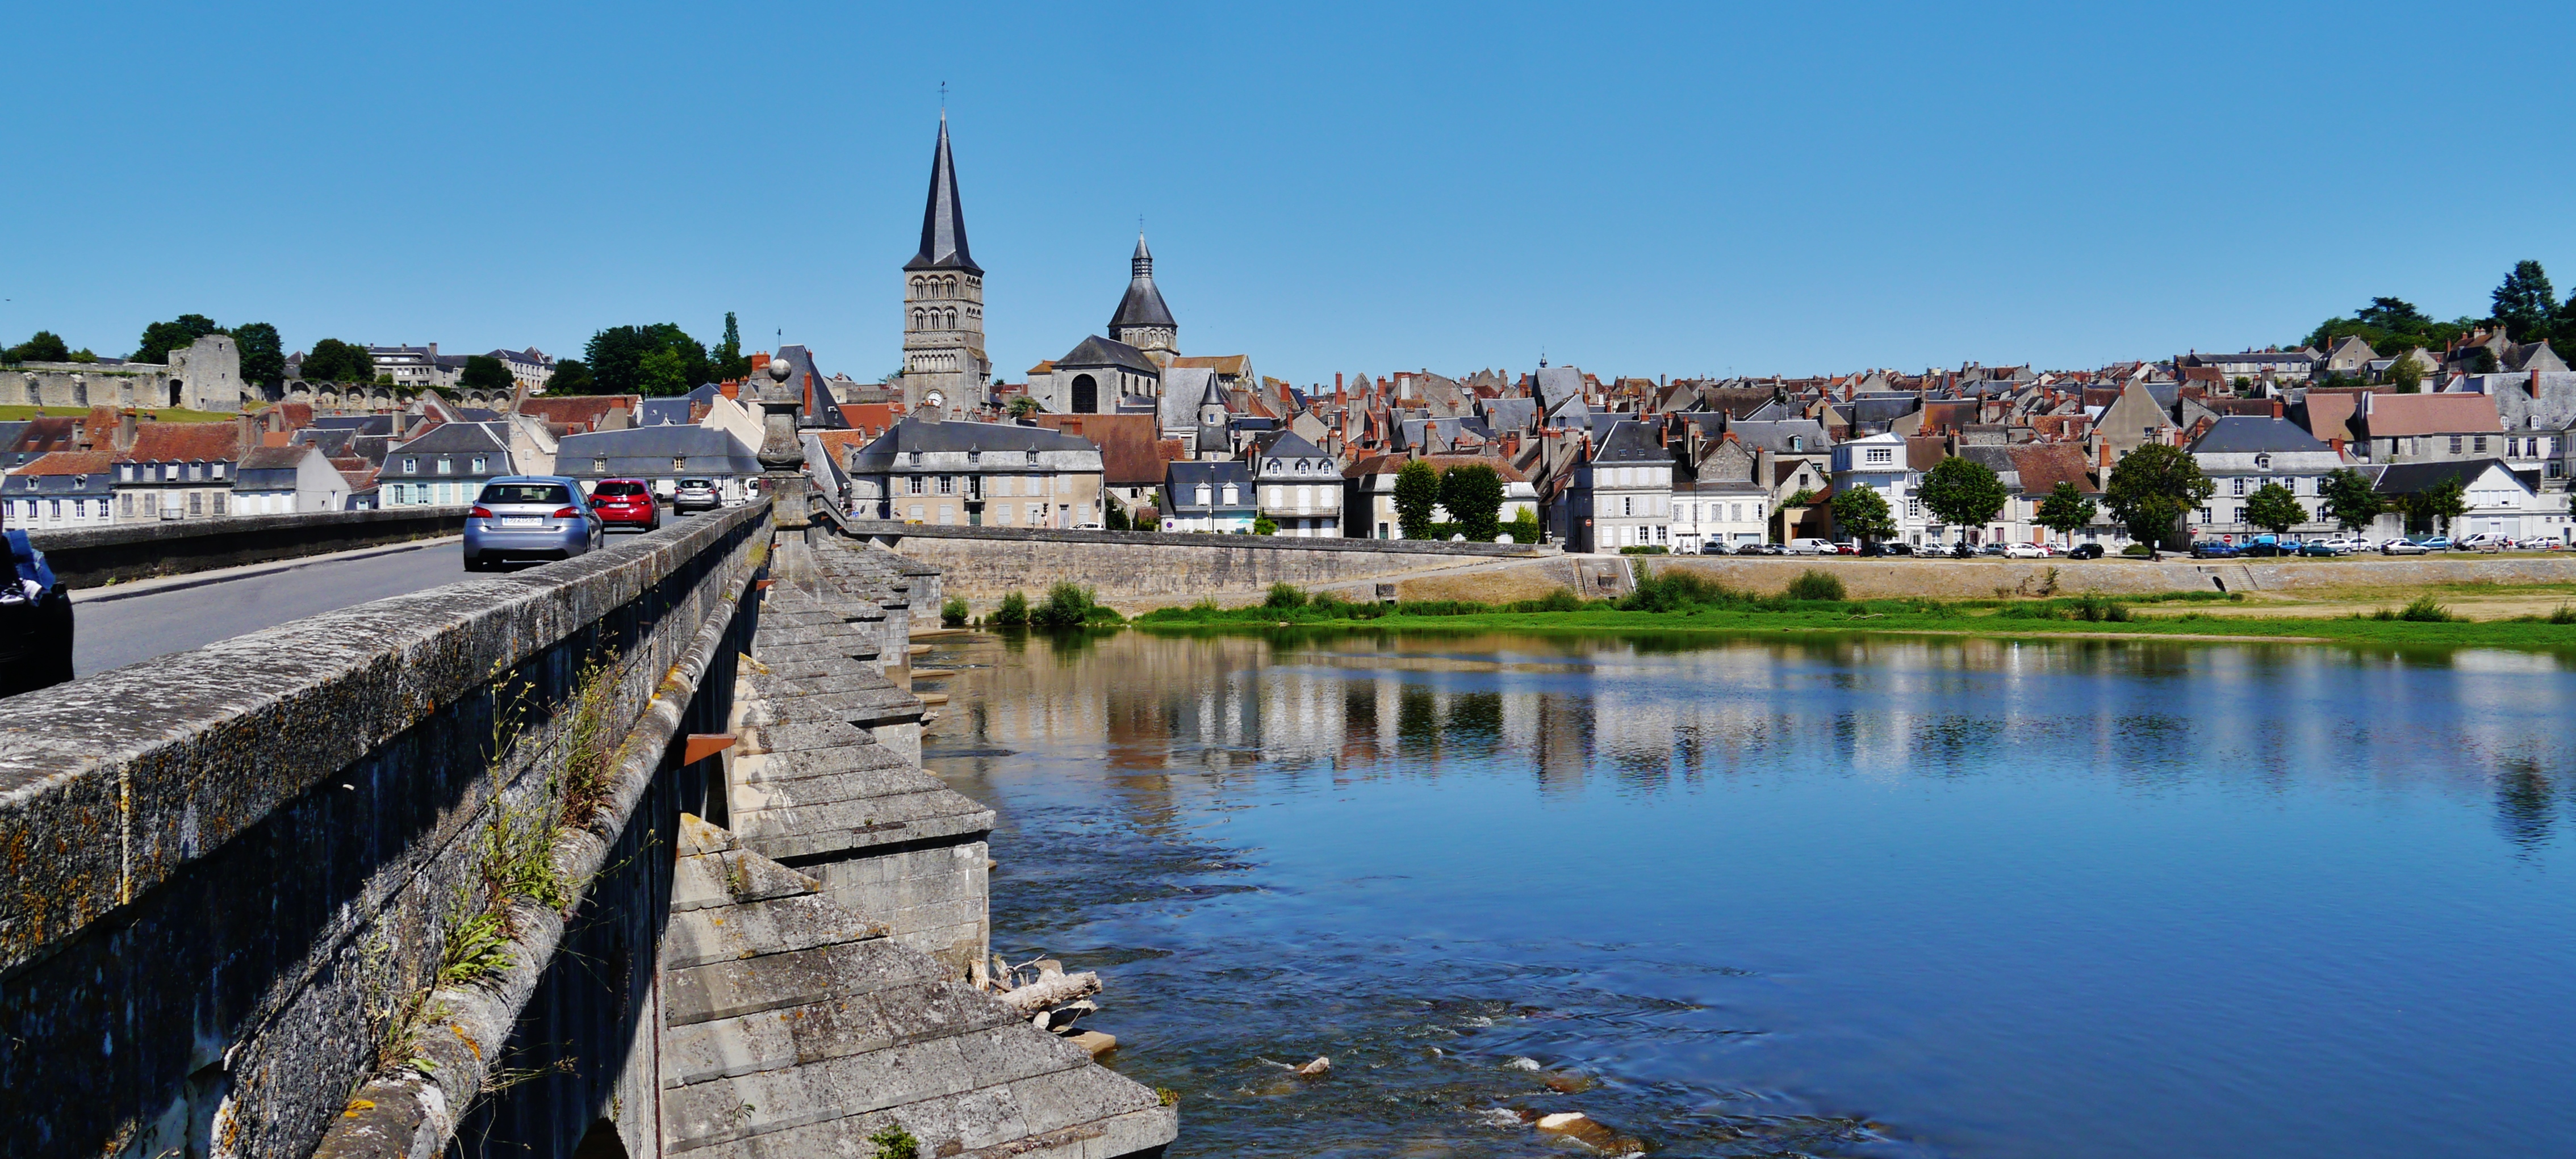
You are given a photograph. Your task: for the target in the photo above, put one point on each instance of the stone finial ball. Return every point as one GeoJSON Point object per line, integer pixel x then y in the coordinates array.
{"type": "Point", "coordinates": [779, 369]}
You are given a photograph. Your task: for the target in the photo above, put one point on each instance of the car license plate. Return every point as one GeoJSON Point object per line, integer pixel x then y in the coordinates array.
{"type": "Point", "coordinates": [520, 521]}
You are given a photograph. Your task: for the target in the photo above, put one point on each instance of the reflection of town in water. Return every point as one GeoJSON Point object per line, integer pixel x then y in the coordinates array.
{"type": "Point", "coordinates": [1757, 896]}
{"type": "Point", "coordinates": [1647, 716]}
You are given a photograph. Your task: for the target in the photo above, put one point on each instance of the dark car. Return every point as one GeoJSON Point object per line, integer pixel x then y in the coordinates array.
{"type": "Point", "coordinates": [2322, 549]}
{"type": "Point", "coordinates": [1713, 547]}
{"type": "Point", "coordinates": [1761, 549]}
{"type": "Point", "coordinates": [2261, 550]}
{"type": "Point", "coordinates": [2085, 551]}
{"type": "Point", "coordinates": [2213, 549]}
{"type": "Point", "coordinates": [35, 622]}
{"type": "Point", "coordinates": [696, 495]}
{"type": "Point", "coordinates": [529, 517]}
{"type": "Point", "coordinates": [626, 503]}
{"type": "Point", "coordinates": [1888, 549]}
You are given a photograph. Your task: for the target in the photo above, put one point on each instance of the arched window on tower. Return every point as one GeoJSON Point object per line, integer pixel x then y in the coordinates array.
{"type": "Point", "coordinates": [1086, 395]}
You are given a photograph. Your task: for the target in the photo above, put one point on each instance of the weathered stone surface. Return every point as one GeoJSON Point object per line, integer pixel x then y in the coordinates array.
{"type": "Point", "coordinates": [91, 556]}
{"type": "Point", "coordinates": [809, 1049]}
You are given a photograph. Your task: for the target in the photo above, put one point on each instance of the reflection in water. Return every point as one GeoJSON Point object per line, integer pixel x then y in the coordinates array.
{"type": "Point", "coordinates": [1824, 895]}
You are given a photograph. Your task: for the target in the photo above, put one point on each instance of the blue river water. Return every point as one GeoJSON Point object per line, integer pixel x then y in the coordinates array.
{"type": "Point", "coordinates": [1831, 896]}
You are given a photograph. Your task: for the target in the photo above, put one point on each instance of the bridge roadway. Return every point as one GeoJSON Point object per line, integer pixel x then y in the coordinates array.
{"type": "Point", "coordinates": [131, 623]}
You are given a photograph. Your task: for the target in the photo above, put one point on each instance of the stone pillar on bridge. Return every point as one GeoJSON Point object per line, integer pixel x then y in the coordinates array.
{"type": "Point", "coordinates": [782, 453]}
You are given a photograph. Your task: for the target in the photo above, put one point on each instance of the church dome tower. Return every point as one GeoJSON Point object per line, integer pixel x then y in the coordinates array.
{"type": "Point", "coordinates": [1142, 320]}
{"type": "Point", "coordinates": [943, 300]}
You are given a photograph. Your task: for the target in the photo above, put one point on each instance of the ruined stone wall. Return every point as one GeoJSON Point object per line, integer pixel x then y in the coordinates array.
{"type": "Point", "coordinates": [235, 874]}
{"type": "Point", "coordinates": [206, 376]}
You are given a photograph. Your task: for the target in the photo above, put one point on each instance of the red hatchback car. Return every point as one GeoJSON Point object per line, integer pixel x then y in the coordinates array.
{"type": "Point", "coordinates": [626, 503]}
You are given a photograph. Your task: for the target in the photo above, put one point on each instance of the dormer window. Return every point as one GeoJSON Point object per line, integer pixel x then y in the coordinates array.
{"type": "Point", "coordinates": [916, 458]}
{"type": "Point", "coordinates": [478, 464]}
{"type": "Point", "coordinates": [1274, 466]}
{"type": "Point", "coordinates": [1797, 442]}
{"type": "Point", "coordinates": [446, 465]}
{"type": "Point", "coordinates": [974, 456]}
{"type": "Point", "coordinates": [411, 465]}
{"type": "Point", "coordinates": [1033, 455]}
{"type": "Point", "coordinates": [2263, 462]}
{"type": "Point", "coordinates": [217, 469]}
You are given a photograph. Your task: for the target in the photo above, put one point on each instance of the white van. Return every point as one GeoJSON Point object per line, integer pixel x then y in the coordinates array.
{"type": "Point", "coordinates": [1812, 547]}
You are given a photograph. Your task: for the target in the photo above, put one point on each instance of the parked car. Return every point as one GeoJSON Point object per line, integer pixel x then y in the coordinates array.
{"type": "Point", "coordinates": [2268, 548]}
{"type": "Point", "coordinates": [2322, 549]}
{"type": "Point", "coordinates": [2485, 541]}
{"type": "Point", "coordinates": [529, 517]}
{"type": "Point", "coordinates": [696, 495]}
{"type": "Point", "coordinates": [2024, 551]}
{"type": "Point", "coordinates": [2402, 546]}
{"type": "Point", "coordinates": [2085, 551]}
{"type": "Point", "coordinates": [2336, 545]}
{"type": "Point", "coordinates": [1899, 548]}
{"type": "Point", "coordinates": [2436, 543]}
{"type": "Point", "coordinates": [1811, 546]}
{"type": "Point", "coordinates": [1761, 549]}
{"type": "Point", "coordinates": [1846, 547]}
{"type": "Point", "coordinates": [1994, 549]}
{"type": "Point", "coordinates": [2213, 549]}
{"type": "Point", "coordinates": [35, 621]}
{"type": "Point", "coordinates": [626, 503]}
{"type": "Point", "coordinates": [1717, 547]}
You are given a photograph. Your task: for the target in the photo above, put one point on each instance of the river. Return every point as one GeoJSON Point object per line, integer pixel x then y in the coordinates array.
{"type": "Point", "coordinates": [1837, 896]}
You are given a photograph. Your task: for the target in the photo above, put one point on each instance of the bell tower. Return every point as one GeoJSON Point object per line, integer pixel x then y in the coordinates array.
{"type": "Point", "coordinates": [943, 302]}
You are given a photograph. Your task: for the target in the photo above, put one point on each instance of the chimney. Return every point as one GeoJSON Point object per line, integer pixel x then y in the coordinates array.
{"type": "Point", "coordinates": [2337, 444]}
{"type": "Point", "coordinates": [245, 431]}
{"type": "Point", "coordinates": [125, 431]}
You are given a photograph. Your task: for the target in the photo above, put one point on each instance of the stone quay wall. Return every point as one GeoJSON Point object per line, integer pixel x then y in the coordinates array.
{"type": "Point", "coordinates": [1988, 579]}
{"type": "Point", "coordinates": [237, 876]}
{"type": "Point", "coordinates": [1153, 569]}
{"type": "Point", "coordinates": [90, 557]}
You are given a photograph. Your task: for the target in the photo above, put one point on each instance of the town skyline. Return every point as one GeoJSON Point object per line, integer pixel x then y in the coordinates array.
{"type": "Point", "coordinates": [1430, 198]}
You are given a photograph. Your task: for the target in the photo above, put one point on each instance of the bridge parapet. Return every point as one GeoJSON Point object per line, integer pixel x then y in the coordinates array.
{"type": "Point", "coordinates": [243, 880]}
{"type": "Point", "coordinates": [92, 556]}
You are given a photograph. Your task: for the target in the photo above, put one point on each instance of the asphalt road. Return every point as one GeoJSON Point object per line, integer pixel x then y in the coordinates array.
{"type": "Point", "coordinates": [112, 633]}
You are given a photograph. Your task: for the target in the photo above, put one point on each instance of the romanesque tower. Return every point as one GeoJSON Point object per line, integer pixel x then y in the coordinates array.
{"type": "Point", "coordinates": [943, 301]}
{"type": "Point", "coordinates": [1142, 320]}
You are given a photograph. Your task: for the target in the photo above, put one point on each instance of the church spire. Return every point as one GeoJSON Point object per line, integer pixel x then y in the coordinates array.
{"type": "Point", "coordinates": [943, 221]}
{"type": "Point", "coordinates": [1142, 320]}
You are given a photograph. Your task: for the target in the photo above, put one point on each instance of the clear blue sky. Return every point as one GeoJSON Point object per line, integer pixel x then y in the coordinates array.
{"type": "Point", "coordinates": [1639, 189]}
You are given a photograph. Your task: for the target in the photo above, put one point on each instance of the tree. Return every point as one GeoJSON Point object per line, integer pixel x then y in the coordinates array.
{"type": "Point", "coordinates": [1473, 493]}
{"type": "Point", "coordinates": [2525, 303]}
{"type": "Point", "coordinates": [1861, 513]}
{"type": "Point", "coordinates": [263, 353]}
{"type": "Point", "coordinates": [2406, 374]}
{"type": "Point", "coordinates": [484, 372]}
{"type": "Point", "coordinates": [617, 358]}
{"type": "Point", "coordinates": [571, 376]}
{"type": "Point", "coordinates": [2150, 489]}
{"type": "Point", "coordinates": [2274, 508]}
{"type": "Point", "coordinates": [1264, 525]}
{"type": "Point", "coordinates": [2066, 510]}
{"type": "Point", "coordinates": [1524, 526]}
{"type": "Point", "coordinates": [1802, 497]}
{"type": "Point", "coordinates": [2349, 499]}
{"type": "Point", "coordinates": [2395, 315]}
{"type": "Point", "coordinates": [1113, 516]}
{"type": "Point", "coordinates": [44, 346]}
{"type": "Point", "coordinates": [1417, 491]}
{"type": "Point", "coordinates": [1963, 492]}
{"type": "Point", "coordinates": [1023, 406]}
{"type": "Point", "coordinates": [160, 338]}
{"type": "Point", "coordinates": [2435, 507]}
{"type": "Point", "coordinates": [332, 360]}
{"type": "Point", "coordinates": [727, 359]}
{"type": "Point", "coordinates": [2482, 360]}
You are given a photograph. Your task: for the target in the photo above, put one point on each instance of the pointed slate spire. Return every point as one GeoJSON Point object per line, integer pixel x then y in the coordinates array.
{"type": "Point", "coordinates": [1143, 306]}
{"type": "Point", "coordinates": [943, 221]}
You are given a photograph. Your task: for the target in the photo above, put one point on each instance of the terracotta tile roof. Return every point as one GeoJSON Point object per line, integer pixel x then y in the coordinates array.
{"type": "Point", "coordinates": [70, 463]}
{"type": "Point", "coordinates": [872, 417]}
{"type": "Point", "coordinates": [584, 411]}
{"type": "Point", "coordinates": [1234, 364]}
{"type": "Point", "coordinates": [185, 442]}
{"type": "Point", "coordinates": [2428, 414]}
{"type": "Point", "coordinates": [1389, 464]}
{"type": "Point", "coordinates": [839, 444]}
{"type": "Point", "coordinates": [45, 434]}
{"type": "Point", "coordinates": [1128, 457]}
{"type": "Point", "coordinates": [2330, 413]}
{"type": "Point", "coordinates": [1923, 452]}
{"type": "Point", "coordinates": [2044, 465]}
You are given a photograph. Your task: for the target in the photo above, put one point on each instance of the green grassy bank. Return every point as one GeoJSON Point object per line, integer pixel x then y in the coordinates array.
{"type": "Point", "coordinates": [1680, 603]}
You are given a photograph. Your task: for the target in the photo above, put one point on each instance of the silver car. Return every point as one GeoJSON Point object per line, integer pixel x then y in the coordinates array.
{"type": "Point", "coordinates": [529, 517]}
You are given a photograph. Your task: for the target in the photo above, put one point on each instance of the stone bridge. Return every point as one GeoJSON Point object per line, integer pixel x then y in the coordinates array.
{"type": "Point", "coordinates": [626, 855]}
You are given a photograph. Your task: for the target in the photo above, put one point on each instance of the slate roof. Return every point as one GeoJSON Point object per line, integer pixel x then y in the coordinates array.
{"type": "Point", "coordinates": [2249, 434]}
{"type": "Point", "coordinates": [274, 458]}
{"type": "Point", "coordinates": [665, 412]}
{"type": "Point", "coordinates": [2409, 478]}
{"type": "Point", "coordinates": [1099, 351]}
{"type": "Point", "coordinates": [1630, 441]}
{"type": "Point", "coordinates": [943, 219]}
{"type": "Point", "coordinates": [649, 451]}
{"type": "Point", "coordinates": [1774, 435]}
{"type": "Point", "coordinates": [914, 434]}
{"type": "Point", "coordinates": [1555, 384]}
{"type": "Point", "coordinates": [447, 437]}
{"type": "Point", "coordinates": [1143, 304]}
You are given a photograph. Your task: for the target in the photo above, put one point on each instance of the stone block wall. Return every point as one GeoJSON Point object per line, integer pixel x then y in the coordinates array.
{"type": "Point", "coordinates": [234, 872]}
